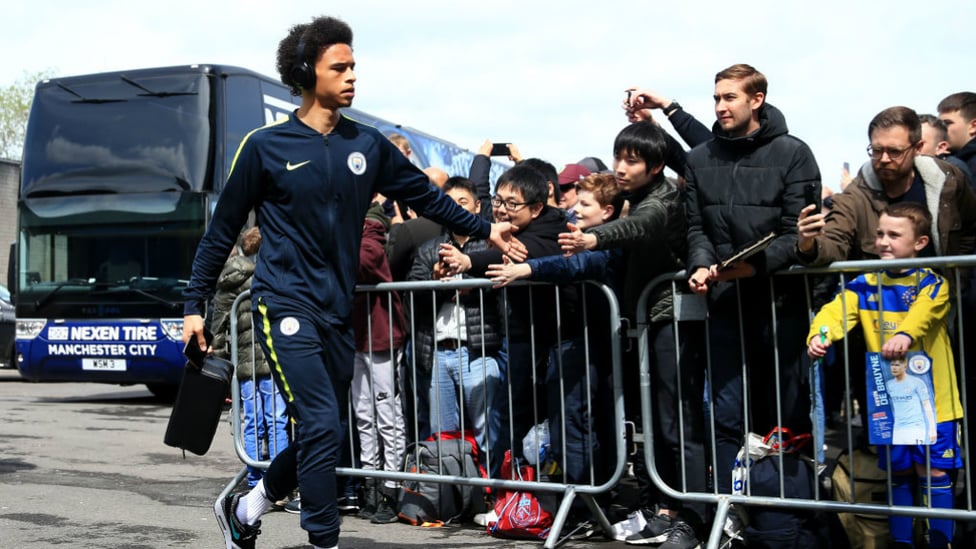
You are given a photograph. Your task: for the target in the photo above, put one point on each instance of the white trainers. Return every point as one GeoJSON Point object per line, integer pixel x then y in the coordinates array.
{"type": "Point", "coordinates": [633, 524]}
{"type": "Point", "coordinates": [484, 519]}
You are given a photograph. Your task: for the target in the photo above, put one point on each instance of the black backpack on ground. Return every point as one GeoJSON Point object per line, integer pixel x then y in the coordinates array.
{"type": "Point", "coordinates": [438, 502]}
{"type": "Point", "coordinates": [785, 528]}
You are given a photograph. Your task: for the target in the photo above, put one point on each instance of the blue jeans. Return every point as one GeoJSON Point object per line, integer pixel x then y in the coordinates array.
{"type": "Point", "coordinates": [456, 376]}
{"type": "Point", "coordinates": [265, 422]}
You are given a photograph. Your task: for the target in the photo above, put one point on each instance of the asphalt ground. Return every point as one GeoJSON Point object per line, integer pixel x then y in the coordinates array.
{"type": "Point", "coordinates": [84, 465]}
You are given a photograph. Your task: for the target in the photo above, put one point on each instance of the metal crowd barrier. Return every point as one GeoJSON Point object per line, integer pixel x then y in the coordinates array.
{"type": "Point", "coordinates": [690, 308]}
{"type": "Point", "coordinates": [416, 293]}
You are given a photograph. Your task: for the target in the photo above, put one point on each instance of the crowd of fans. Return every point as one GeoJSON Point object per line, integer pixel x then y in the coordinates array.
{"type": "Point", "coordinates": [495, 362]}
{"type": "Point", "coordinates": [744, 178]}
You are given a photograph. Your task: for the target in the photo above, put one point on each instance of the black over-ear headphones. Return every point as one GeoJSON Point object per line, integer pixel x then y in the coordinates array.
{"type": "Point", "coordinates": [302, 72]}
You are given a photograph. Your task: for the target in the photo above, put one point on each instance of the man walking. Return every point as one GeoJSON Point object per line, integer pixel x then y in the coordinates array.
{"type": "Point", "coordinates": [310, 179]}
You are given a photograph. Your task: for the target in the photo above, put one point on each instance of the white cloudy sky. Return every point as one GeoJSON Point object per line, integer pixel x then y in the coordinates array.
{"type": "Point", "coordinates": [547, 76]}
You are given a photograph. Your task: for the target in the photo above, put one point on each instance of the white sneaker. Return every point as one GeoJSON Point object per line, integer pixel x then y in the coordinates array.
{"type": "Point", "coordinates": [633, 524]}
{"type": "Point", "coordinates": [483, 519]}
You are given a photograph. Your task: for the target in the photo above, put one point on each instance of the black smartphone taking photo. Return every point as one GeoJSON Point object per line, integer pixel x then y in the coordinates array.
{"type": "Point", "coordinates": [500, 149]}
{"type": "Point", "coordinates": [811, 196]}
{"type": "Point", "coordinates": [194, 353]}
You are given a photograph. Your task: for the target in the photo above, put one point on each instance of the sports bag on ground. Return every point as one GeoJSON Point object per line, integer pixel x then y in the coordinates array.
{"type": "Point", "coordinates": [428, 502]}
{"type": "Point", "coordinates": [870, 486]}
{"type": "Point", "coordinates": [771, 527]}
{"type": "Point", "coordinates": [520, 515]}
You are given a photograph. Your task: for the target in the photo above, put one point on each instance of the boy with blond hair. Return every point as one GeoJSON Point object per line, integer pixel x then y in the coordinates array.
{"type": "Point", "coordinates": [913, 305]}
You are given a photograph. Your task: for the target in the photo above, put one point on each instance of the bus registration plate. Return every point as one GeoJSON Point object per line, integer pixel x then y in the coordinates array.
{"type": "Point", "coordinates": [103, 364]}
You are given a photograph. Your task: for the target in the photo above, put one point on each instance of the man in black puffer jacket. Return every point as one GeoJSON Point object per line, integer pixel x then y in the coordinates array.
{"type": "Point", "coordinates": [745, 183]}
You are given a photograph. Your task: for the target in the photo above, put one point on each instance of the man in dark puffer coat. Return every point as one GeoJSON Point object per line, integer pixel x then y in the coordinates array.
{"type": "Point", "coordinates": [745, 183]}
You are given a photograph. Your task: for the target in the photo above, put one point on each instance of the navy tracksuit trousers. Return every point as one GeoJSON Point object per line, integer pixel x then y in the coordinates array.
{"type": "Point", "coordinates": [312, 363]}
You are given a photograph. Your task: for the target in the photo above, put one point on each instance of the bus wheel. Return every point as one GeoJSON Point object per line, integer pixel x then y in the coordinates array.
{"type": "Point", "coordinates": [164, 391]}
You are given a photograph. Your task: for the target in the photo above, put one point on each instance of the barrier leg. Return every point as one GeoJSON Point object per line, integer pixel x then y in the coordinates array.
{"type": "Point", "coordinates": [560, 519]}
{"type": "Point", "coordinates": [721, 512]}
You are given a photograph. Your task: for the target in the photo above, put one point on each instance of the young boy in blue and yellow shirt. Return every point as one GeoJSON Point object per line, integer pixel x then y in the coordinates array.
{"type": "Point", "coordinates": [915, 304]}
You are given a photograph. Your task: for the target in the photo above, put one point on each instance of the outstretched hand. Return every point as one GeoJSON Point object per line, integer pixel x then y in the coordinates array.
{"type": "Point", "coordinates": [485, 148]}
{"type": "Point", "coordinates": [506, 272]}
{"type": "Point", "coordinates": [503, 239]}
{"type": "Point", "coordinates": [453, 261]}
{"type": "Point", "coordinates": [641, 101]}
{"type": "Point", "coordinates": [575, 241]}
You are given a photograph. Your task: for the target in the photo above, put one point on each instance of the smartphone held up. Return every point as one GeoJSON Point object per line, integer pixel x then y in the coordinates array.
{"type": "Point", "coordinates": [811, 195]}
{"type": "Point", "coordinates": [500, 149]}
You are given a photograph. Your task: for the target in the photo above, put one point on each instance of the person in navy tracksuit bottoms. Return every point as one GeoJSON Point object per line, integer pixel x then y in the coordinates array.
{"type": "Point", "coordinates": [310, 178]}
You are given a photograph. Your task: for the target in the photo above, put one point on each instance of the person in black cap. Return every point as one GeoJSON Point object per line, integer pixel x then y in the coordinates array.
{"type": "Point", "coordinates": [594, 164]}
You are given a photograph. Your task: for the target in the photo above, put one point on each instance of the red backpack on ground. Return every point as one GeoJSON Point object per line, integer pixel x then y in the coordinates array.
{"type": "Point", "coordinates": [520, 515]}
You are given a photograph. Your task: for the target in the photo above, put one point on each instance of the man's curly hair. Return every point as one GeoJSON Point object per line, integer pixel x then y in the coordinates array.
{"type": "Point", "coordinates": [321, 33]}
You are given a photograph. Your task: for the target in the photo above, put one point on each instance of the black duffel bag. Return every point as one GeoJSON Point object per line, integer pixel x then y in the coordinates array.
{"type": "Point", "coordinates": [199, 403]}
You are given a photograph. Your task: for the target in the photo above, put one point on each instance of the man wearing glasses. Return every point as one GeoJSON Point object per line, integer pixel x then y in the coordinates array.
{"type": "Point", "coordinates": [897, 172]}
{"type": "Point", "coordinates": [520, 199]}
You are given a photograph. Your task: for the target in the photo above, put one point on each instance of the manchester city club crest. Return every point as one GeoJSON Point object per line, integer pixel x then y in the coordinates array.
{"type": "Point", "coordinates": [289, 325]}
{"type": "Point", "coordinates": [920, 364]}
{"type": "Point", "coordinates": [357, 163]}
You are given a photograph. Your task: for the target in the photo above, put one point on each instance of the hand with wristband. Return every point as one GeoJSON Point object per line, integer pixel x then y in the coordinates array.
{"type": "Point", "coordinates": [640, 102]}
